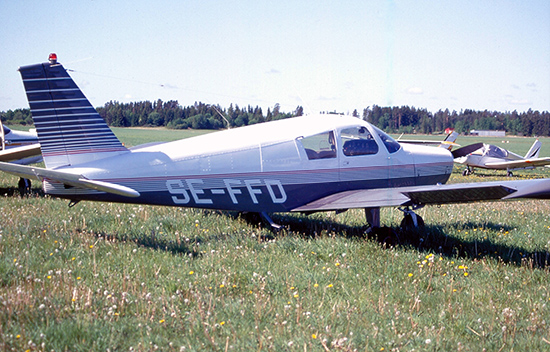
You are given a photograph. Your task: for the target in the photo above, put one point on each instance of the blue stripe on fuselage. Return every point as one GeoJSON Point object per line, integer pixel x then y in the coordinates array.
{"type": "Point", "coordinates": [253, 195]}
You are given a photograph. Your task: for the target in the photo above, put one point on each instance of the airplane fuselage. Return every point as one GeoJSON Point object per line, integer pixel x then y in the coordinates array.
{"type": "Point", "coordinates": [270, 167]}
{"type": "Point", "coordinates": [489, 157]}
{"type": "Point", "coordinates": [13, 138]}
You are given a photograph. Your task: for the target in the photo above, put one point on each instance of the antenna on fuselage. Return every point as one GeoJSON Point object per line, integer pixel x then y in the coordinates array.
{"type": "Point", "coordinates": [223, 117]}
{"type": "Point", "coordinates": [304, 102]}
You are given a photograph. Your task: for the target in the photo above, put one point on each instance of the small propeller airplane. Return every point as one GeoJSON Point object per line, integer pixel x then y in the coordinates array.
{"type": "Point", "coordinates": [303, 164]}
{"type": "Point", "coordinates": [489, 156]}
{"type": "Point", "coordinates": [19, 147]}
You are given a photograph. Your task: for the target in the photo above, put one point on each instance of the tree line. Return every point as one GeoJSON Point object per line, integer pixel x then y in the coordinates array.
{"type": "Point", "coordinates": [196, 116]}
{"type": "Point", "coordinates": [403, 119]}
{"type": "Point", "coordinates": [412, 120]}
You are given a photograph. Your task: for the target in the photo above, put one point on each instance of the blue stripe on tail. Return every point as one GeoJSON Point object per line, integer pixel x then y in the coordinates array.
{"type": "Point", "coordinates": [69, 128]}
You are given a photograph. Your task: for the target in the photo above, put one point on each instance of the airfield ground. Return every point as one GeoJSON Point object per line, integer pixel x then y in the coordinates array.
{"type": "Point", "coordinates": [129, 277]}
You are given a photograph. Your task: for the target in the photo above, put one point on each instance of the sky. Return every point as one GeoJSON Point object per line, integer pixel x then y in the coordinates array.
{"type": "Point", "coordinates": [322, 55]}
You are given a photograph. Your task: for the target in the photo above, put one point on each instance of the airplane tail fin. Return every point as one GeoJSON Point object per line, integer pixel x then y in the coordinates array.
{"type": "Point", "coordinates": [70, 130]}
{"type": "Point", "coordinates": [534, 151]}
{"type": "Point", "coordinates": [449, 141]}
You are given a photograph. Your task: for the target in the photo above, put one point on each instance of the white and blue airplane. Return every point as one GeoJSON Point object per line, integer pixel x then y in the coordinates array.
{"type": "Point", "coordinates": [303, 164]}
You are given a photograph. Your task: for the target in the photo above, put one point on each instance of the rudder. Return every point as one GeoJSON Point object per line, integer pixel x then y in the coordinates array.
{"type": "Point", "coordinates": [70, 130]}
{"type": "Point", "coordinates": [534, 150]}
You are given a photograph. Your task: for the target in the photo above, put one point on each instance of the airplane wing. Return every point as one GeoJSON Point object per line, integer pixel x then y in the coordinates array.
{"type": "Point", "coordinates": [66, 178]}
{"type": "Point", "coordinates": [457, 153]}
{"type": "Point", "coordinates": [447, 143]}
{"type": "Point", "coordinates": [518, 164]}
{"type": "Point", "coordinates": [26, 151]}
{"type": "Point", "coordinates": [437, 194]}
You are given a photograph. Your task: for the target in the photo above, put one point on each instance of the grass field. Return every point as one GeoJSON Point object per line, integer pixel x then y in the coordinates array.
{"type": "Point", "coordinates": [112, 277]}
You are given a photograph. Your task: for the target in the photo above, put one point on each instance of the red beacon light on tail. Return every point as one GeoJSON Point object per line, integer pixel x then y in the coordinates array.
{"type": "Point", "coordinates": [53, 58]}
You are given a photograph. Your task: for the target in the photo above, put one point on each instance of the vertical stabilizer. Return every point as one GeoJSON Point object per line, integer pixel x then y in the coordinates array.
{"type": "Point", "coordinates": [69, 128]}
{"type": "Point", "coordinates": [534, 151]}
{"type": "Point", "coordinates": [449, 141]}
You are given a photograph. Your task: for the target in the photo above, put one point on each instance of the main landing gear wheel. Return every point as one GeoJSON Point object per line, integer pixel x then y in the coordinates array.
{"type": "Point", "coordinates": [510, 174]}
{"type": "Point", "coordinates": [411, 221]}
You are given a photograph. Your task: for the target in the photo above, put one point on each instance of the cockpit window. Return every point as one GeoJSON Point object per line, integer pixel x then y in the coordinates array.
{"type": "Point", "coordinates": [358, 141]}
{"type": "Point", "coordinates": [6, 130]}
{"type": "Point", "coordinates": [320, 146]}
{"type": "Point", "coordinates": [496, 152]}
{"type": "Point", "coordinates": [391, 144]}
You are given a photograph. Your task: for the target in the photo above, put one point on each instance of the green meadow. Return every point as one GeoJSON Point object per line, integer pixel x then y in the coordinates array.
{"type": "Point", "coordinates": [115, 277]}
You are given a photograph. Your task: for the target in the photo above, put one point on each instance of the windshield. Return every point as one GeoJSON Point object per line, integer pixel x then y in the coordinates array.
{"type": "Point", "coordinates": [391, 144]}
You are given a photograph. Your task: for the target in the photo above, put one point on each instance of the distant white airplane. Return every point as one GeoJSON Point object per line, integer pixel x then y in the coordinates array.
{"type": "Point", "coordinates": [19, 147]}
{"type": "Point", "coordinates": [303, 164]}
{"type": "Point", "coordinates": [489, 156]}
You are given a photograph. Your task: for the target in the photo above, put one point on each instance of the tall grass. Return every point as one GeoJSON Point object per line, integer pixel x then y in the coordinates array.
{"type": "Point", "coordinates": [128, 277]}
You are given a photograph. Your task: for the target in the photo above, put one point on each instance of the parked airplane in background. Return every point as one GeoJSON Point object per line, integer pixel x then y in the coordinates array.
{"type": "Point", "coordinates": [488, 156]}
{"type": "Point", "coordinates": [19, 147]}
{"type": "Point", "coordinates": [303, 164]}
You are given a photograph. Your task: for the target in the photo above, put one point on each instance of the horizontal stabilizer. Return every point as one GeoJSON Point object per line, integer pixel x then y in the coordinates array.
{"type": "Point", "coordinates": [68, 179]}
